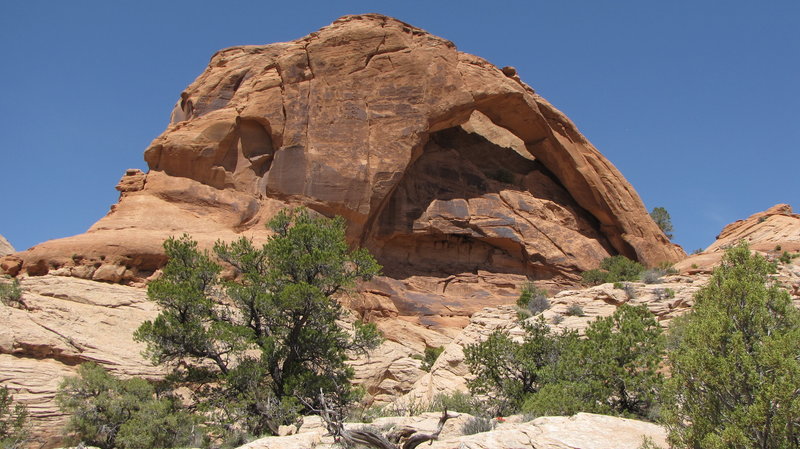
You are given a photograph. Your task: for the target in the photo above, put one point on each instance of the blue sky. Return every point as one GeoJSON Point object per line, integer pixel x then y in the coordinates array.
{"type": "Point", "coordinates": [696, 102]}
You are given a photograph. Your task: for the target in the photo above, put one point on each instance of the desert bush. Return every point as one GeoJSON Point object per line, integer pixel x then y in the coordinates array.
{"type": "Point", "coordinates": [663, 293]}
{"type": "Point", "coordinates": [653, 275]}
{"type": "Point", "coordinates": [506, 371]}
{"type": "Point", "coordinates": [557, 319]}
{"type": "Point", "coordinates": [456, 401]}
{"type": "Point", "coordinates": [629, 289]}
{"type": "Point", "coordinates": [11, 293]}
{"type": "Point", "coordinates": [574, 310]}
{"type": "Point", "coordinates": [735, 362]}
{"type": "Point", "coordinates": [13, 422]}
{"type": "Point", "coordinates": [613, 269]}
{"type": "Point", "coordinates": [109, 412]}
{"type": "Point", "coordinates": [431, 354]}
{"type": "Point", "coordinates": [477, 424]}
{"type": "Point", "coordinates": [613, 370]}
{"type": "Point", "coordinates": [533, 299]}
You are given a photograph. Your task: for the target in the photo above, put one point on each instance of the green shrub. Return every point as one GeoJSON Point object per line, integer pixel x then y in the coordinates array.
{"type": "Point", "coordinates": [614, 269]}
{"type": "Point", "coordinates": [477, 424]}
{"type": "Point", "coordinates": [574, 310]}
{"type": "Point", "coordinates": [13, 425]}
{"type": "Point", "coordinates": [735, 365]}
{"type": "Point", "coordinates": [613, 370]}
{"type": "Point", "coordinates": [11, 293]}
{"type": "Point", "coordinates": [109, 412]}
{"type": "Point", "coordinates": [595, 277]}
{"type": "Point", "coordinates": [431, 354]}
{"type": "Point", "coordinates": [506, 371]}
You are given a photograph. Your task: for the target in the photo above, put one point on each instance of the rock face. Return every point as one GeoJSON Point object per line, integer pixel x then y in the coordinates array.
{"type": "Point", "coordinates": [441, 163]}
{"type": "Point", "coordinates": [5, 247]}
{"type": "Point", "coordinates": [582, 431]}
{"type": "Point", "coordinates": [771, 232]}
{"type": "Point", "coordinates": [65, 322]}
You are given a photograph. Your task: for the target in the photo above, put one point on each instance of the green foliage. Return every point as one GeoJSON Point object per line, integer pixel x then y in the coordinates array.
{"type": "Point", "coordinates": [614, 370]}
{"type": "Point", "coordinates": [533, 299]}
{"type": "Point", "coordinates": [663, 293]}
{"type": "Point", "coordinates": [574, 310]}
{"type": "Point", "coordinates": [786, 257]}
{"type": "Point", "coordinates": [662, 219]}
{"type": "Point", "coordinates": [431, 354]}
{"type": "Point", "coordinates": [506, 371]}
{"type": "Point", "coordinates": [11, 293]}
{"type": "Point", "coordinates": [595, 277]}
{"type": "Point", "coordinates": [108, 412]}
{"type": "Point", "coordinates": [614, 269]}
{"type": "Point", "coordinates": [257, 350]}
{"type": "Point", "coordinates": [13, 427]}
{"type": "Point", "coordinates": [736, 362]}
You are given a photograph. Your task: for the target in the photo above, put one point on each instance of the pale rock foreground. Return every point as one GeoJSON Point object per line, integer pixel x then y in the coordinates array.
{"type": "Point", "coordinates": [581, 431]}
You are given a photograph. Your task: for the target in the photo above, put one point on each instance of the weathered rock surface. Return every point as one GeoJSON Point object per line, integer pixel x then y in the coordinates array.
{"type": "Point", "coordinates": [5, 247]}
{"type": "Point", "coordinates": [65, 322]}
{"type": "Point", "coordinates": [771, 232]}
{"type": "Point", "coordinates": [581, 431]}
{"type": "Point", "coordinates": [442, 164]}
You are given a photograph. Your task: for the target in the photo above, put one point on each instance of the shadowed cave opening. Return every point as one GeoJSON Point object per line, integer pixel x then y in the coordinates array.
{"type": "Point", "coordinates": [450, 213]}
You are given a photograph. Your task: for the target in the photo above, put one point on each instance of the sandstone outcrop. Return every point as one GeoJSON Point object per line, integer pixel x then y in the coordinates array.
{"type": "Point", "coordinates": [61, 323]}
{"type": "Point", "coordinates": [770, 232]}
{"type": "Point", "coordinates": [581, 431]}
{"type": "Point", "coordinates": [5, 247]}
{"type": "Point", "coordinates": [442, 164]}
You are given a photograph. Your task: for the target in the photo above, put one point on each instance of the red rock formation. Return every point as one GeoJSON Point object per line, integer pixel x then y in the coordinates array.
{"type": "Point", "coordinates": [441, 163]}
{"type": "Point", "coordinates": [773, 231]}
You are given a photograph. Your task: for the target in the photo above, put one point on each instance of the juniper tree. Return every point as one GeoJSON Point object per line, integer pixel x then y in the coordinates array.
{"type": "Point", "coordinates": [735, 368]}
{"type": "Point", "coordinates": [259, 348]}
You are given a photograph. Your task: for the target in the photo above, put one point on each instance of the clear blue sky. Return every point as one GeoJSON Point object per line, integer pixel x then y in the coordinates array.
{"type": "Point", "coordinates": [696, 102]}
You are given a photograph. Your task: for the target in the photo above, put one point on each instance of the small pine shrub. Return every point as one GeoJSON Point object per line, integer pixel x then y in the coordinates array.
{"type": "Point", "coordinates": [575, 310]}
{"type": "Point", "coordinates": [431, 354]}
{"type": "Point", "coordinates": [109, 412]}
{"type": "Point", "coordinates": [13, 426]}
{"type": "Point", "coordinates": [476, 424]}
{"type": "Point", "coordinates": [11, 293]}
{"type": "Point", "coordinates": [777, 247]}
{"type": "Point", "coordinates": [594, 277]}
{"type": "Point", "coordinates": [613, 269]}
{"type": "Point", "coordinates": [698, 251]}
